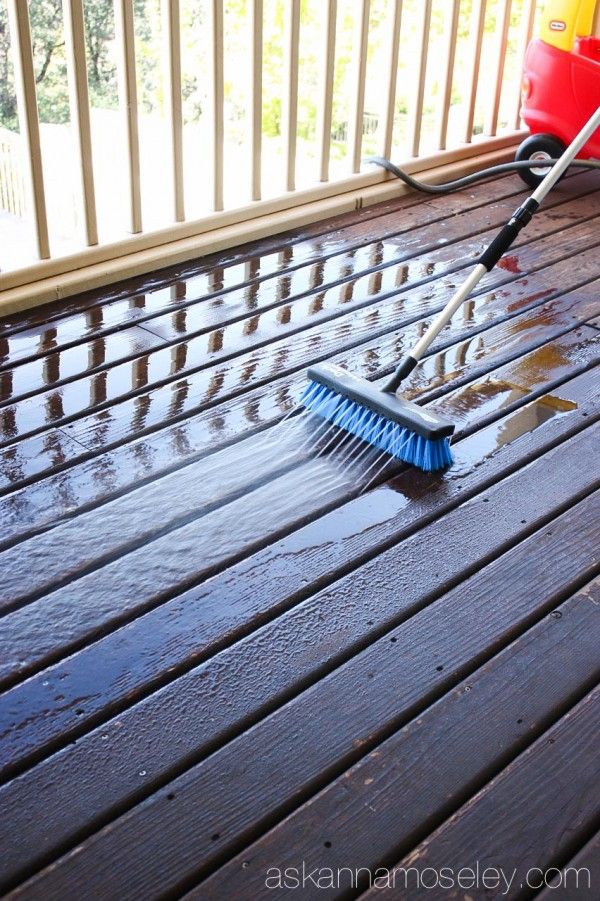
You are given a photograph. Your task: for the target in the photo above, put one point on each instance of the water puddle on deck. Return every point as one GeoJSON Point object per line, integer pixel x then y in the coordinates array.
{"type": "Point", "coordinates": [488, 441]}
{"type": "Point", "coordinates": [530, 417]}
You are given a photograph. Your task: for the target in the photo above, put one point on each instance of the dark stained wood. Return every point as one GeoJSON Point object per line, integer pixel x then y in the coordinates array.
{"type": "Point", "coordinates": [228, 421]}
{"type": "Point", "coordinates": [255, 262]}
{"type": "Point", "coordinates": [185, 497]}
{"type": "Point", "coordinates": [131, 584]}
{"type": "Point", "coordinates": [145, 412]}
{"type": "Point", "coordinates": [395, 678]}
{"type": "Point", "coordinates": [195, 624]}
{"type": "Point", "coordinates": [104, 476]}
{"type": "Point", "coordinates": [132, 663]}
{"type": "Point", "coordinates": [216, 642]}
{"type": "Point", "coordinates": [388, 801]}
{"type": "Point", "coordinates": [195, 312]}
{"type": "Point", "coordinates": [272, 354]}
{"type": "Point", "coordinates": [210, 387]}
{"type": "Point", "coordinates": [557, 782]}
{"type": "Point", "coordinates": [579, 877]}
{"type": "Point", "coordinates": [26, 511]}
{"type": "Point", "coordinates": [324, 232]}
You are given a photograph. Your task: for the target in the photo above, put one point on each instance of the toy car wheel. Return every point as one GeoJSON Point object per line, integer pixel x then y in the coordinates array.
{"type": "Point", "coordinates": [538, 147]}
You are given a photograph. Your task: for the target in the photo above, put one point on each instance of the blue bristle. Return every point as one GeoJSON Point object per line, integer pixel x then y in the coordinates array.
{"type": "Point", "coordinates": [382, 433]}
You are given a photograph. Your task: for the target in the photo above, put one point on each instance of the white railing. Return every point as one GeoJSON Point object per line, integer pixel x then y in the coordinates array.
{"type": "Point", "coordinates": [403, 79]}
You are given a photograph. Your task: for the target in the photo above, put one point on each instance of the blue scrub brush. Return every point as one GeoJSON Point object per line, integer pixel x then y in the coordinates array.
{"type": "Point", "coordinates": [395, 425]}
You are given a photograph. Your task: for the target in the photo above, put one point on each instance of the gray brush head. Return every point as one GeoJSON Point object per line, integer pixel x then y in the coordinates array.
{"type": "Point", "coordinates": [396, 409]}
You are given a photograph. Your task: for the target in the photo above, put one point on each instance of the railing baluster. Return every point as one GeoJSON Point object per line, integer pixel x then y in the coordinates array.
{"type": "Point", "coordinates": [290, 78]}
{"type": "Point", "coordinates": [502, 25]}
{"type": "Point", "coordinates": [392, 77]}
{"type": "Point", "coordinates": [172, 45]}
{"type": "Point", "coordinates": [29, 126]}
{"type": "Point", "coordinates": [360, 68]}
{"type": "Point", "coordinates": [451, 26]}
{"type": "Point", "coordinates": [526, 33]}
{"type": "Point", "coordinates": [326, 89]}
{"type": "Point", "coordinates": [216, 94]}
{"type": "Point", "coordinates": [255, 21]}
{"type": "Point", "coordinates": [416, 115]}
{"type": "Point", "coordinates": [477, 25]}
{"type": "Point", "coordinates": [80, 109]}
{"type": "Point", "coordinates": [128, 101]}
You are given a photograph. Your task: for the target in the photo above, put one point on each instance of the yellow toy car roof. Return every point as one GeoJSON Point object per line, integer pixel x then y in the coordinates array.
{"type": "Point", "coordinates": [565, 20]}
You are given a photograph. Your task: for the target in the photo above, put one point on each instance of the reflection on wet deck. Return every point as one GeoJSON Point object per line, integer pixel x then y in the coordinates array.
{"type": "Point", "coordinates": [182, 557]}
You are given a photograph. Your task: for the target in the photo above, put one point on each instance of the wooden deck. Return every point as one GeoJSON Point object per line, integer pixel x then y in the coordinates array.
{"type": "Point", "coordinates": [225, 652]}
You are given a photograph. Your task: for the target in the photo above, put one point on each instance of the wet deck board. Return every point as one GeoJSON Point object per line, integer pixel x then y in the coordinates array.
{"type": "Point", "coordinates": [399, 673]}
{"type": "Point", "coordinates": [177, 564]}
{"type": "Point", "coordinates": [234, 269]}
{"type": "Point", "coordinates": [51, 347]}
{"type": "Point", "coordinates": [179, 636]}
{"type": "Point", "coordinates": [228, 361]}
{"type": "Point", "coordinates": [562, 759]}
{"type": "Point", "coordinates": [387, 800]}
{"type": "Point", "coordinates": [580, 885]}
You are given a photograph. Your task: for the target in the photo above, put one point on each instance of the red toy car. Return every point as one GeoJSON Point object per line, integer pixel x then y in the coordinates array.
{"type": "Point", "coordinates": [561, 87]}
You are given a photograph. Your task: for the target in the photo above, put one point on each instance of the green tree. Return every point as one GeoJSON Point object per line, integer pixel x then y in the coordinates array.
{"type": "Point", "coordinates": [47, 36]}
{"type": "Point", "coordinates": [47, 39]}
{"type": "Point", "coordinates": [99, 31]}
{"type": "Point", "coordinates": [8, 105]}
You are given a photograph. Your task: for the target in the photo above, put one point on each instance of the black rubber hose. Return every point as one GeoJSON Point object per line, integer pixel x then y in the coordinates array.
{"type": "Point", "coordinates": [457, 184]}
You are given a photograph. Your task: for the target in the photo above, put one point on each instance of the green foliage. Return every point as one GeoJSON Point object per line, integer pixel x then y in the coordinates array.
{"type": "Point", "coordinates": [99, 31]}
{"type": "Point", "coordinates": [148, 51]}
{"type": "Point", "coordinates": [49, 63]}
{"type": "Point", "coordinates": [49, 60]}
{"type": "Point", "coordinates": [272, 68]}
{"type": "Point", "coordinates": [8, 104]}
{"type": "Point", "coordinates": [47, 35]}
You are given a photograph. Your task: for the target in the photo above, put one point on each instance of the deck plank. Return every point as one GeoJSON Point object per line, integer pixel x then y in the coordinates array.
{"type": "Point", "coordinates": [319, 234]}
{"type": "Point", "coordinates": [387, 802]}
{"type": "Point", "coordinates": [256, 263]}
{"type": "Point", "coordinates": [353, 532]}
{"type": "Point", "coordinates": [56, 368]}
{"type": "Point", "coordinates": [179, 395]}
{"type": "Point", "coordinates": [366, 617]}
{"type": "Point", "coordinates": [345, 339]}
{"type": "Point", "coordinates": [28, 706]}
{"type": "Point", "coordinates": [97, 538]}
{"type": "Point", "coordinates": [562, 758]}
{"type": "Point", "coordinates": [87, 484]}
{"type": "Point", "coordinates": [143, 415]}
{"type": "Point", "coordinates": [248, 522]}
{"type": "Point", "coordinates": [579, 877]}
{"type": "Point", "coordinates": [194, 314]}
{"type": "Point", "coordinates": [394, 678]}
{"type": "Point", "coordinates": [258, 347]}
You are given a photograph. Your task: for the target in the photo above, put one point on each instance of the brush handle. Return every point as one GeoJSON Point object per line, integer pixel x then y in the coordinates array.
{"type": "Point", "coordinates": [492, 254]}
